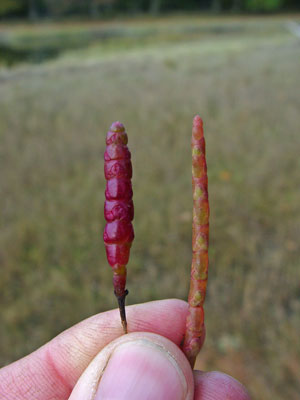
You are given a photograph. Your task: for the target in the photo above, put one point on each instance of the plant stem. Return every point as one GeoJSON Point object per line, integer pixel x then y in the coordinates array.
{"type": "Point", "coordinates": [118, 210]}
{"type": "Point", "coordinates": [195, 329]}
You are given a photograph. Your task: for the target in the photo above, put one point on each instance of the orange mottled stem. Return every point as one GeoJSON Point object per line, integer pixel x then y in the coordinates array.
{"type": "Point", "coordinates": [195, 329]}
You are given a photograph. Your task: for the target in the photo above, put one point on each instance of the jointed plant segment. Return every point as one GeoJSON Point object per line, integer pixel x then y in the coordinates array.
{"type": "Point", "coordinates": [118, 233]}
{"type": "Point", "coordinates": [195, 329]}
{"type": "Point", "coordinates": [118, 210]}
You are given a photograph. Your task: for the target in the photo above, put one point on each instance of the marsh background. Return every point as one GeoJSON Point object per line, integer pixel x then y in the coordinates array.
{"type": "Point", "coordinates": [68, 69]}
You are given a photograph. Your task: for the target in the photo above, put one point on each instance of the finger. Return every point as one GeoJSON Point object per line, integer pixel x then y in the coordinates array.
{"type": "Point", "coordinates": [218, 386]}
{"type": "Point", "coordinates": [137, 366]}
{"type": "Point", "coordinates": [52, 371]}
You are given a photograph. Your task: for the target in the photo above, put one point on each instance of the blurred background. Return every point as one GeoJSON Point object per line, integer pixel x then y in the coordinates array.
{"type": "Point", "coordinates": [68, 69]}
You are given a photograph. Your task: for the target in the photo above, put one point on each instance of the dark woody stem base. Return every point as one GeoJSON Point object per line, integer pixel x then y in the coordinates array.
{"type": "Point", "coordinates": [121, 302]}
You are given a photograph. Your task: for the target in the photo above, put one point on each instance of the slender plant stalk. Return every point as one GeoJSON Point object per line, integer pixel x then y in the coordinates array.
{"type": "Point", "coordinates": [118, 210]}
{"type": "Point", "coordinates": [195, 329]}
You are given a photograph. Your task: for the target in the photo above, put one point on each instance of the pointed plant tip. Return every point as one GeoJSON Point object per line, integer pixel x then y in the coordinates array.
{"type": "Point", "coordinates": [117, 127]}
{"type": "Point", "coordinates": [198, 120]}
{"type": "Point", "coordinates": [197, 128]}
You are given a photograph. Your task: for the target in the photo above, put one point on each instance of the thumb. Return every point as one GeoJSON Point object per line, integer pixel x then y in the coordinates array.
{"type": "Point", "coordinates": [138, 365]}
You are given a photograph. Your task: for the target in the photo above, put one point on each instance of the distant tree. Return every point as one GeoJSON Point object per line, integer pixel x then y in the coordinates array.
{"type": "Point", "coordinates": [10, 7]}
{"type": "Point", "coordinates": [263, 5]}
{"type": "Point", "coordinates": [32, 10]}
{"type": "Point", "coordinates": [94, 9]}
{"type": "Point", "coordinates": [237, 5]}
{"type": "Point", "coordinates": [56, 7]}
{"type": "Point", "coordinates": [216, 6]}
{"type": "Point", "coordinates": [155, 6]}
{"type": "Point", "coordinates": [98, 6]}
{"type": "Point", "coordinates": [292, 4]}
{"type": "Point", "coordinates": [134, 6]}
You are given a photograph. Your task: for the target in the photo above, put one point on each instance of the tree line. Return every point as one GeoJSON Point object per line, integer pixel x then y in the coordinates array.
{"type": "Point", "coordinates": [35, 9]}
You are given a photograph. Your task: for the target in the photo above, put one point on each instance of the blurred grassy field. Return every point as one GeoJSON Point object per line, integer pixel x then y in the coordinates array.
{"type": "Point", "coordinates": [242, 76]}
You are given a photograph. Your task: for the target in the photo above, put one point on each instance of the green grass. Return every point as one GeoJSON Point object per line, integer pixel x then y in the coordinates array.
{"type": "Point", "coordinates": [53, 121]}
{"type": "Point", "coordinates": [40, 42]}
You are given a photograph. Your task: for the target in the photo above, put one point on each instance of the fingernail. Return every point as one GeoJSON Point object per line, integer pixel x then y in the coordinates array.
{"type": "Point", "coordinates": [141, 370]}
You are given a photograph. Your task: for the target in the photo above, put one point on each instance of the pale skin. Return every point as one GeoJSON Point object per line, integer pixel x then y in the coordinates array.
{"type": "Point", "coordinates": [95, 360]}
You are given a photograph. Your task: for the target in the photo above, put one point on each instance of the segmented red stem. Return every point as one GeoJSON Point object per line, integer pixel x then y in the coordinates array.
{"type": "Point", "coordinates": [118, 210]}
{"type": "Point", "coordinates": [195, 329]}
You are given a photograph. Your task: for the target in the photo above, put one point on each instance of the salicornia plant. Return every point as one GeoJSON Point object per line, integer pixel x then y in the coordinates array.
{"type": "Point", "coordinates": [118, 234]}
{"type": "Point", "coordinates": [195, 330]}
{"type": "Point", "coordinates": [118, 210]}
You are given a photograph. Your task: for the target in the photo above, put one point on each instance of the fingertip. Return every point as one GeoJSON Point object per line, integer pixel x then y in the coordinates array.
{"type": "Point", "coordinates": [73, 349]}
{"type": "Point", "coordinates": [134, 366]}
{"type": "Point", "coordinates": [218, 386]}
{"type": "Point", "coordinates": [55, 367]}
{"type": "Point", "coordinates": [147, 317]}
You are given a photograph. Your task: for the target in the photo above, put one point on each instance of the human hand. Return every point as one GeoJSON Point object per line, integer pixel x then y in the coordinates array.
{"type": "Point", "coordinates": [93, 360]}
